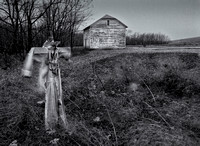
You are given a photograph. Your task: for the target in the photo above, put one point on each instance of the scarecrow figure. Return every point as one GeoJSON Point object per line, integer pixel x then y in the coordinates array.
{"type": "Point", "coordinates": [49, 80]}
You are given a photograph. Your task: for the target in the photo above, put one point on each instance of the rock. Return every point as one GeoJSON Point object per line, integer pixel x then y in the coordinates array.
{"type": "Point", "coordinates": [14, 143]}
{"type": "Point", "coordinates": [54, 141]}
{"type": "Point", "coordinates": [102, 92]}
{"type": "Point", "coordinates": [97, 119]}
{"type": "Point", "coordinates": [133, 87]}
{"type": "Point", "coordinates": [112, 92]}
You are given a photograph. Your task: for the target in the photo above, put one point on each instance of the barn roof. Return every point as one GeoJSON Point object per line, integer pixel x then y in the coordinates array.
{"type": "Point", "coordinates": [105, 17]}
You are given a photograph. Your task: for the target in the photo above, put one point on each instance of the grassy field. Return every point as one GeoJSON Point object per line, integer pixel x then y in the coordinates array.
{"type": "Point", "coordinates": [129, 99]}
{"type": "Point", "coordinates": [195, 41]}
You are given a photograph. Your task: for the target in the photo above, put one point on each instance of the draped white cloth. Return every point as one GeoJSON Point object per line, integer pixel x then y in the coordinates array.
{"type": "Point", "coordinates": [49, 82]}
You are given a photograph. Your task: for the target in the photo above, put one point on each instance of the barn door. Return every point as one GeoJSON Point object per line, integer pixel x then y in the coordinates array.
{"type": "Point", "coordinates": [85, 43]}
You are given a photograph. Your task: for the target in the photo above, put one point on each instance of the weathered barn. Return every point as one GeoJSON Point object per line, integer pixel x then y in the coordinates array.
{"type": "Point", "coordinates": [107, 32]}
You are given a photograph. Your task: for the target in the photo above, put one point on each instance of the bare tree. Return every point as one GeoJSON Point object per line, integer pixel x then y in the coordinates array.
{"type": "Point", "coordinates": [33, 10]}
{"type": "Point", "coordinates": [65, 17]}
{"type": "Point", "coordinates": [10, 10]}
{"type": "Point", "coordinates": [28, 22]}
{"type": "Point", "coordinates": [147, 39]}
{"type": "Point", "coordinates": [18, 17]}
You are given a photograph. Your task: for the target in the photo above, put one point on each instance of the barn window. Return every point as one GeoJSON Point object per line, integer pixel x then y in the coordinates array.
{"type": "Point", "coordinates": [108, 22]}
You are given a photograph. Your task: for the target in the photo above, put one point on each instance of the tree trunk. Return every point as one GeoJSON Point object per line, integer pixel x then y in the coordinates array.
{"type": "Point", "coordinates": [29, 35]}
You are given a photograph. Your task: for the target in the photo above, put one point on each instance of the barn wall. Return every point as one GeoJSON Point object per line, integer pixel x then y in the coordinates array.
{"type": "Point", "coordinates": [86, 39]}
{"type": "Point", "coordinates": [101, 35]}
{"type": "Point", "coordinates": [107, 38]}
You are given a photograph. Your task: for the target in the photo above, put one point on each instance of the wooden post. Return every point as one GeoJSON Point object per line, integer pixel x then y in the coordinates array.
{"type": "Point", "coordinates": [50, 80]}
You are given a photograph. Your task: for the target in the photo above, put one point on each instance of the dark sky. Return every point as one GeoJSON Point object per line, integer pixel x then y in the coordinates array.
{"type": "Point", "coordinates": [175, 18]}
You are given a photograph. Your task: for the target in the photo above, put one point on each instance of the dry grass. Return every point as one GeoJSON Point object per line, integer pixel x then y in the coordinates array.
{"type": "Point", "coordinates": [102, 107]}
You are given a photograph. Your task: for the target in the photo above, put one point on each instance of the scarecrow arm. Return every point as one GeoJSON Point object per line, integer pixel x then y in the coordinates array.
{"type": "Point", "coordinates": [37, 54]}
{"type": "Point", "coordinates": [65, 52]}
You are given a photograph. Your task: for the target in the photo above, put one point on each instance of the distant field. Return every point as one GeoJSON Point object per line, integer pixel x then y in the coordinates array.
{"type": "Point", "coordinates": [186, 42]}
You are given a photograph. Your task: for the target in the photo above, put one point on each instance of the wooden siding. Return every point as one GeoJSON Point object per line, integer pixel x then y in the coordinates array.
{"type": "Point", "coordinates": [105, 33]}
{"type": "Point", "coordinates": [107, 38]}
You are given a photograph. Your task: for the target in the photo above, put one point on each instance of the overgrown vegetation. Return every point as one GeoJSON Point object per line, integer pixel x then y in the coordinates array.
{"type": "Point", "coordinates": [131, 99]}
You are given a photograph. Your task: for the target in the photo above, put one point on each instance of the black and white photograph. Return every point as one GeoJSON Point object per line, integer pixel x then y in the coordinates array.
{"type": "Point", "coordinates": [99, 72]}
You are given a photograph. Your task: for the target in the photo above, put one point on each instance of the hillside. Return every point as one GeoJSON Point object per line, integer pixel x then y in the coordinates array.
{"type": "Point", "coordinates": [111, 98]}
{"type": "Point", "coordinates": [195, 41]}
